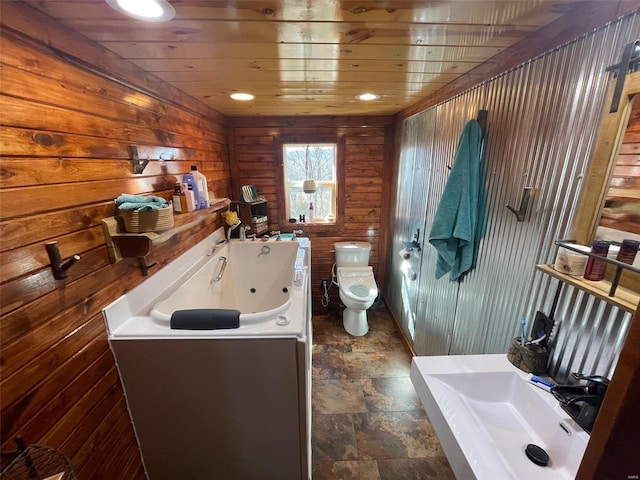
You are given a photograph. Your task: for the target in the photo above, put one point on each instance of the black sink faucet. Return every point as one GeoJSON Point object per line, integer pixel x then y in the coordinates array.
{"type": "Point", "coordinates": [596, 384]}
{"type": "Point", "coordinates": [582, 402]}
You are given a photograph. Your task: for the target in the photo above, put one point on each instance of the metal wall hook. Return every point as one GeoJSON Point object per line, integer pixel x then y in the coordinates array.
{"type": "Point", "coordinates": [59, 268]}
{"type": "Point", "coordinates": [524, 204]}
{"type": "Point", "coordinates": [138, 164]}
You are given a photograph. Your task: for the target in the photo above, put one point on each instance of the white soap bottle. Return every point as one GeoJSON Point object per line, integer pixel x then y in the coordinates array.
{"type": "Point", "coordinates": [203, 192]}
{"type": "Point", "coordinates": [190, 180]}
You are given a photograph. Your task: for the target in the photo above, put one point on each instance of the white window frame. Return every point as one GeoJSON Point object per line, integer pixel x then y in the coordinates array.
{"type": "Point", "coordinates": [320, 184]}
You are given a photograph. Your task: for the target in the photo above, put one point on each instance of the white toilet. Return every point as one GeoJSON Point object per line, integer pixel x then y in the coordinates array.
{"type": "Point", "coordinates": [357, 287]}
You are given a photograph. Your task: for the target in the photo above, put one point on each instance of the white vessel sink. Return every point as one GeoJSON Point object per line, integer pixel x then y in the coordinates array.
{"type": "Point", "coordinates": [485, 413]}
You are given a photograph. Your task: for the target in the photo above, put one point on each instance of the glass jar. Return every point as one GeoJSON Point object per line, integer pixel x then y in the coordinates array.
{"type": "Point", "coordinates": [628, 250]}
{"type": "Point", "coordinates": [595, 268]}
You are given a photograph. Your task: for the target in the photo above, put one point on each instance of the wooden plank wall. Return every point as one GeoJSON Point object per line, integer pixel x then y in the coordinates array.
{"type": "Point", "coordinates": [622, 206]}
{"type": "Point", "coordinates": [368, 166]}
{"type": "Point", "coordinates": [69, 113]}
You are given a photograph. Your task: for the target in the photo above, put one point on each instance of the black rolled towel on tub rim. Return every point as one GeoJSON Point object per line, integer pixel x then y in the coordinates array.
{"type": "Point", "coordinates": [205, 319]}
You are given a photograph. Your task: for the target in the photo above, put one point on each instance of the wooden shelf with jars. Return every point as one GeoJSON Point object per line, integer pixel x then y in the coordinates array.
{"type": "Point", "coordinates": [606, 290]}
{"type": "Point", "coordinates": [253, 214]}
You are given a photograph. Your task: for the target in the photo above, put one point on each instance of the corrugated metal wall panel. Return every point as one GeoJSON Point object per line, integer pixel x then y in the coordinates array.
{"type": "Point", "coordinates": [589, 336]}
{"type": "Point", "coordinates": [543, 119]}
{"type": "Point", "coordinates": [406, 139]}
{"type": "Point", "coordinates": [420, 186]}
{"type": "Point", "coordinates": [435, 311]}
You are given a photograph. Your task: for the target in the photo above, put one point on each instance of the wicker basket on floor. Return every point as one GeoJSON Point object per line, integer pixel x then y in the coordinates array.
{"type": "Point", "coordinates": [38, 462]}
{"type": "Point", "coordinates": [140, 221]}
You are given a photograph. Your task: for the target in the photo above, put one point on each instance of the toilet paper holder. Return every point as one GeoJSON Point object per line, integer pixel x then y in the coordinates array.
{"type": "Point", "coordinates": [413, 244]}
{"type": "Point", "coordinates": [410, 246]}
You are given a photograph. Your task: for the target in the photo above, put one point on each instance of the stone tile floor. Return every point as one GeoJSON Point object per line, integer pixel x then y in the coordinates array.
{"type": "Point", "coordinates": [368, 423]}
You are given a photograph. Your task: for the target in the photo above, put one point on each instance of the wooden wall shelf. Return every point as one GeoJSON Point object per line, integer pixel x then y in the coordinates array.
{"type": "Point", "coordinates": [623, 298]}
{"type": "Point", "coordinates": [185, 221]}
{"type": "Point", "coordinates": [125, 244]}
{"type": "Point", "coordinates": [249, 212]}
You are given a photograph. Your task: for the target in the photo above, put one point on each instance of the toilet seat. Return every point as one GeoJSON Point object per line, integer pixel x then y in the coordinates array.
{"type": "Point", "coordinates": [359, 290]}
{"type": "Point", "coordinates": [357, 284]}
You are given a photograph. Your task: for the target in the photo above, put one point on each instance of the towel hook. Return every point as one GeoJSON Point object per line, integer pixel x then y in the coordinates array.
{"type": "Point", "coordinates": [482, 120]}
{"type": "Point", "coordinates": [524, 204]}
{"type": "Point", "coordinates": [59, 269]}
{"type": "Point", "coordinates": [138, 164]}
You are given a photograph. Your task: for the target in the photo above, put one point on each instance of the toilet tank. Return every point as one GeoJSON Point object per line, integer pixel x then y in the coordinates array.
{"type": "Point", "coordinates": [352, 254]}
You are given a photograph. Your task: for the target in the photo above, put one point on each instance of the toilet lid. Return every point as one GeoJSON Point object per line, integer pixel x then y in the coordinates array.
{"type": "Point", "coordinates": [359, 290]}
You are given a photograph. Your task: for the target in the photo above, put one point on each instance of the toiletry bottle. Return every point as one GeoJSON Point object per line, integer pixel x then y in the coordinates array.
{"type": "Point", "coordinates": [595, 268]}
{"type": "Point", "coordinates": [190, 180]}
{"type": "Point", "coordinates": [189, 197]}
{"type": "Point", "coordinates": [203, 193]}
{"type": "Point", "coordinates": [179, 199]}
{"type": "Point", "coordinates": [628, 250]}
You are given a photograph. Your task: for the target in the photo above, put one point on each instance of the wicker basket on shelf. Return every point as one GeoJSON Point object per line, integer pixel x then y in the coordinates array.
{"type": "Point", "coordinates": [140, 221]}
{"type": "Point", "coordinates": [529, 358]}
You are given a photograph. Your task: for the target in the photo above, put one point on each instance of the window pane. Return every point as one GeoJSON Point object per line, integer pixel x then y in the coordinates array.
{"type": "Point", "coordinates": [310, 162]}
{"type": "Point", "coordinates": [322, 159]}
{"type": "Point", "coordinates": [298, 202]}
{"type": "Point", "coordinates": [323, 203]}
{"type": "Point", "coordinates": [295, 159]}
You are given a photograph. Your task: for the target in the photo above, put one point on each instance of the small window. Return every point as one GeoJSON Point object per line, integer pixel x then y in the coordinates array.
{"type": "Point", "coordinates": [303, 163]}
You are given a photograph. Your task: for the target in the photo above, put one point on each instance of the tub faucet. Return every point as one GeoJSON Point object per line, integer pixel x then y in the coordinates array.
{"type": "Point", "coordinates": [296, 232]}
{"type": "Point", "coordinates": [243, 232]}
{"type": "Point", "coordinates": [232, 227]}
{"type": "Point", "coordinates": [277, 232]}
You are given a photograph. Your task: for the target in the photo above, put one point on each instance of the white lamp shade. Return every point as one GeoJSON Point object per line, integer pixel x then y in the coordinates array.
{"type": "Point", "coordinates": [309, 186]}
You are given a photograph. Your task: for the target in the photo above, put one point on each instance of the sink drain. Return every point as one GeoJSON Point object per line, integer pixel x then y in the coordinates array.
{"type": "Point", "coordinates": [537, 455]}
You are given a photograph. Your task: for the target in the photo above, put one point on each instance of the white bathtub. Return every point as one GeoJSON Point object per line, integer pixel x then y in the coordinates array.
{"type": "Point", "coordinates": [255, 278]}
{"type": "Point", "coordinates": [271, 291]}
{"type": "Point", "coordinates": [197, 398]}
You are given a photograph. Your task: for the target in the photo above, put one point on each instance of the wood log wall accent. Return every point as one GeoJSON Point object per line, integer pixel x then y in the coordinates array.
{"type": "Point", "coordinates": [68, 119]}
{"type": "Point", "coordinates": [368, 164]}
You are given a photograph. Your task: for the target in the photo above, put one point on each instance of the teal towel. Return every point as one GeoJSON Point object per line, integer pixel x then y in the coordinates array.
{"type": "Point", "coordinates": [454, 229]}
{"type": "Point", "coordinates": [140, 202]}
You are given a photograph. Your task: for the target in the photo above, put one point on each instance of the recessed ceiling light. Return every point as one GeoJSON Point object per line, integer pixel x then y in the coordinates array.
{"type": "Point", "coordinates": [242, 96]}
{"type": "Point", "coordinates": [368, 96]}
{"type": "Point", "coordinates": [149, 10]}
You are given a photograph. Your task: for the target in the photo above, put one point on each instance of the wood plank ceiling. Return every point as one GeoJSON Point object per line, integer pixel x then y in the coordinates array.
{"type": "Point", "coordinates": [311, 57]}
